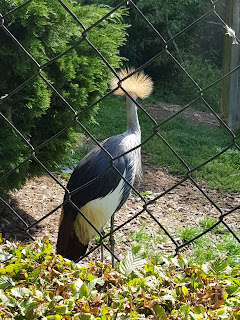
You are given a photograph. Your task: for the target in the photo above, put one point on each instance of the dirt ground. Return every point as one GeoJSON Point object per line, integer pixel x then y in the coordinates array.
{"type": "Point", "coordinates": [183, 206]}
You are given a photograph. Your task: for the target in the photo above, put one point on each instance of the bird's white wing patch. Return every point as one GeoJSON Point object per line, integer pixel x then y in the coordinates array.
{"type": "Point", "coordinates": [98, 212]}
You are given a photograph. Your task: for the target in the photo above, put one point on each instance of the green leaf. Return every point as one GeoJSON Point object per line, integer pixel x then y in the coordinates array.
{"type": "Point", "coordinates": [85, 316]}
{"type": "Point", "coordinates": [194, 316]}
{"type": "Point", "coordinates": [19, 292]}
{"type": "Point", "coordinates": [62, 309]}
{"type": "Point", "coordinates": [3, 298]}
{"type": "Point", "coordinates": [135, 259]}
{"type": "Point", "coordinates": [54, 317]}
{"type": "Point", "coordinates": [5, 255]}
{"type": "Point", "coordinates": [184, 311]}
{"type": "Point", "coordinates": [83, 292]}
{"type": "Point", "coordinates": [179, 262]}
{"type": "Point", "coordinates": [160, 312]}
{"type": "Point", "coordinates": [77, 284]}
{"type": "Point", "coordinates": [5, 282]}
{"type": "Point", "coordinates": [219, 266]}
{"type": "Point", "coordinates": [93, 283]}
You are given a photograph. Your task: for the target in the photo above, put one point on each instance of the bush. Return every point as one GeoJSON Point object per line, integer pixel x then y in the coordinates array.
{"type": "Point", "coordinates": [46, 30]}
{"type": "Point", "coordinates": [37, 284]}
{"type": "Point", "coordinates": [203, 72]}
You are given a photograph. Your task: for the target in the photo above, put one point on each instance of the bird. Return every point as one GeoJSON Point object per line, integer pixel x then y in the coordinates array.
{"type": "Point", "coordinates": [98, 186]}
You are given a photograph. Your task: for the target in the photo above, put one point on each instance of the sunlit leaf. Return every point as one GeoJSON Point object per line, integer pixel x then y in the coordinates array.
{"type": "Point", "coordinates": [19, 292]}
{"type": "Point", "coordinates": [3, 298]}
{"type": "Point", "coordinates": [54, 300]}
{"type": "Point", "coordinates": [135, 259]}
{"type": "Point", "coordinates": [160, 312]}
{"type": "Point", "coordinates": [219, 266]}
{"type": "Point", "coordinates": [5, 256]}
{"type": "Point", "coordinates": [77, 284]}
{"type": "Point", "coordinates": [85, 316]}
{"type": "Point", "coordinates": [83, 292]}
{"type": "Point", "coordinates": [184, 290]}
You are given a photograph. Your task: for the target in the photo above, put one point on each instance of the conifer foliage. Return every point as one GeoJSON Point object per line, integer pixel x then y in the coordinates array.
{"type": "Point", "coordinates": [46, 30]}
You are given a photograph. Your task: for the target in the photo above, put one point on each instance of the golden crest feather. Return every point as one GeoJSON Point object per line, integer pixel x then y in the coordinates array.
{"type": "Point", "coordinates": [138, 83]}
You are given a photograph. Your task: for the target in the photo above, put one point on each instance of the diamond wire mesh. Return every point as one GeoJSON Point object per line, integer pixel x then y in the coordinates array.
{"type": "Point", "coordinates": [156, 126]}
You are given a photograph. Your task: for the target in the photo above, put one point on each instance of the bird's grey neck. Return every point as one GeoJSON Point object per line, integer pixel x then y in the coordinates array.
{"type": "Point", "coordinates": [132, 117]}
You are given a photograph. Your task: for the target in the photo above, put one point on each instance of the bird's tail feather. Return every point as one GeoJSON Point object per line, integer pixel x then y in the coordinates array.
{"type": "Point", "coordinates": [68, 244]}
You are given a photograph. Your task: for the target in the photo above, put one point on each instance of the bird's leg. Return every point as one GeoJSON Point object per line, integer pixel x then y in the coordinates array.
{"type": "Point", "coordinates": [112, 240]}
{"type": "Point", "coordinates": [102, 233]}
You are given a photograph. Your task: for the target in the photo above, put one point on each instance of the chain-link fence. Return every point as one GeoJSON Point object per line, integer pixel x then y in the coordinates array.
{"type": "Point", "coordinates": [145, 204]}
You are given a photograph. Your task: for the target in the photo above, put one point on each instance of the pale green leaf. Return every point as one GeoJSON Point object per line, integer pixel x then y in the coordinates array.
{"type": "Point", "coordinates": [219, 266]}
{"type": "Point", "coordinates": [54, 300]}
{"type": "Point", "coordinates": [135, 259]}
{"type": "Point", "coordinates": [3, 298]}
{"type": "Point", "coordinates": [77, 284]}
{"type": "Point", "coordinates": [5, 282]}
{"type": "Point", "coordinates": [5, 255]}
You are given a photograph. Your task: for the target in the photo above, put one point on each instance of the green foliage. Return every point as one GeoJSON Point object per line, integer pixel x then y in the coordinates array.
{"type": "Point", "coordinates": [198, 50]}
{"type": "Point", "coordinates": [199, 46]}
{"type": "Point", "coordinates": [208, 222]}
{"type": "Point", "coordinates": [35, 283]}
{"type": "Point", "coordinates": [46, 30]}
{"type": "Point", "coordinates": [188, 233]}
{"type": "Point", "coordinates": [204, 73]}
{"type": "Point", "coordinates": [168, 19]}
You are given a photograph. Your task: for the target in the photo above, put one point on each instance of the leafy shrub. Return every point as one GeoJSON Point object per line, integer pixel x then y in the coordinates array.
{"type": "Point", "coordinates": [35, 283]}
{"type": "Point", "coordinates": [204, 73]}
{"type": "Point", "coordinates": [46, 30]}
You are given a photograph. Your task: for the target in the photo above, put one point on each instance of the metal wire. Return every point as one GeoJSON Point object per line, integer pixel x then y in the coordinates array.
{"type": "Point", "coordinates": [155, 133]}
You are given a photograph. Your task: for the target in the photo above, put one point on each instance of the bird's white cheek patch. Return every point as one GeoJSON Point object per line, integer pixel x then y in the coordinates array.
{"type": "Point", "coordinates": [98, 212]}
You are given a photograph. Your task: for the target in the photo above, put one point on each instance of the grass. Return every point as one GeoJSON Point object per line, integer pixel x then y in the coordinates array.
{"type": "Point", "coordinates": [216, 243]}
{"type": "Point", "coordinates": [224, 172]}
{"type": "Point", "coordinates": [150, 240]}
{"type": "Point", "coordinates": [194, 144]}
{"type": "Point", "coordinates": [225, 246]}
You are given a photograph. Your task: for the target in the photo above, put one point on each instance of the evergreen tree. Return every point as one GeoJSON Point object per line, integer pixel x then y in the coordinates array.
{"type": "Point", "coordinates": [45, 29]}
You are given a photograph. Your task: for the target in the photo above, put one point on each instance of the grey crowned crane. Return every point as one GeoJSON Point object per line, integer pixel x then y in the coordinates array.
{"type": "Point", "coordinates": [102, 190]}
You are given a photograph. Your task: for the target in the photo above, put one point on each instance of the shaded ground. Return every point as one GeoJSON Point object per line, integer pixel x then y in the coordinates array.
{"type": "Point", "coordinates": [183, 206]}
